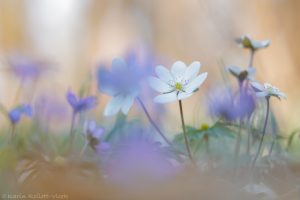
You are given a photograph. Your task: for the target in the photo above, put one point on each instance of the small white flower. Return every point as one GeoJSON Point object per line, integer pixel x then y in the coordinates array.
{"type": "Point", "coordinates": [267, 90]}
{"type": "Point", "coordinates": [242, 74]}
{"type": "Point", "coordinates": [247, 42]}
{"type": "Point", "coordinates": [179, 83]}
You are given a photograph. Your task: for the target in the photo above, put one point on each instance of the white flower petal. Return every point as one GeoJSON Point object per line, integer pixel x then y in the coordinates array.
{"type": "Point", "coordinates": [260, 44]}
{"type": "Point", "coordinates": [163, 73]}
{"type": "Point", "coordinates": [158, 85]}
{"type": "Point", "coordinates": [114, 105]}
{"type": "Point", "coordinates": [118, 65]}
{"type": "Point", "coordinates": [127, 103]}
{"type": "Point", "coordinates": [192, 86]}
{"type": "Point", "coordinates": [257, 86]}
{"type": "Point", "coordinates": [192, 71]}
{"type": "Point", "coordinates": [166, 98]}
{"type": "Point", "coordinates": [261, 94]}
{"type": "Point", "coordinates": [251, 71]}
{"type": "Point", "coordinates": [184, 95]}
{"type": "Point", "coordinates": [178, 69]}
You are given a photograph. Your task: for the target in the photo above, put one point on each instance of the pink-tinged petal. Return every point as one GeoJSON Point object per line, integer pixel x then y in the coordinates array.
{"type": "Point", "coordinates": [163, 73]}
{"type": "Point", "coordinates": [158, 85]}
{"type": "Point", "coordinates": [184, 95]}
{"type": "Point", "coordinates": [261, 94]}
{"type": "Point", "coordinates": [166, 98]}
{"type": "Point", "coordinates": [257, 86]}
{"type": "Point", "coordinates": [114, 106]}
{"type": "Point", "coordinates": [127, 103]}
{"type": "Point", "coordinates": [196, 83]}
{"type": "Point", "coordinates": [178, 69]}
{"type": "Point", "coordinates": [192, 71]}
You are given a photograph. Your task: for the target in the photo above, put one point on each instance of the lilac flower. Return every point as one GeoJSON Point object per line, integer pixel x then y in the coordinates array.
{"type": "Point", "coordinates": [94, 136]}
{"type": "Point", "coordinates": [26, 68]}
{"type": "Point", "coordinates": [81, 104]}
{"type": "Point", "coordinates": [16, 113]}
{"type": "Point", "coordinates": [122, 83]}
{"type": "Point", "coordinates": [137, 160]}
{"type": "Point", "coordinates": [223, 103]}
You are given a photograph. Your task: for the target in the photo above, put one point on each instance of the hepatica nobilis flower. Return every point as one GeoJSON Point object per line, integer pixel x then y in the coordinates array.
{"type": "Point", "coordinates": [179, 83]}
{"type": "Point", "coordinates": [81, 104]}
{"type": "Point", "coordinates": [26, 68]}
{"type": "Point", "coordinates": [267, 90]}
{"type": "Point", "coordinates": [122, 83]}
{"type": "Point", "coordinates": [242, 74]}
{"type": "Point", "coordinates": [16, 113]}
{"type": "Point", "coordinates": [94, 136]}
{"type": "Point", "coordinates": [249, 43]}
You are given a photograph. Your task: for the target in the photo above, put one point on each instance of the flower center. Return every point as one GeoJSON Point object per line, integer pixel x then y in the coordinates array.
{"type": "Point", "coordinates": [243, 75]}
{"type": "Point", "coordinates": [178, 86]}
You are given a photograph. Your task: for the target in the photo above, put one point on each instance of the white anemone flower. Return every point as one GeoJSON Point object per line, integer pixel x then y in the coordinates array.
{"type": "Point", "coordinates": [247, 42]}
{"type": "Point", "coordinates": [242, 74]}
{"type": "Point", "coordinates": [267, 90]}
{"type": "Point", "coordinates": [179, 83]}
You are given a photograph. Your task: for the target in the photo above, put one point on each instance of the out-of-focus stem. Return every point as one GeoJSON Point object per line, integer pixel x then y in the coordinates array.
{"type": "Point", "coordinates": [251, 58]}
{"type": "Point", "coordinates": [263, 133]}
{"type": "Point", "coordinates": [12, 132]}
{"type": "Point", "coordinates": [152, 122]}
{"type": "Point", "coordinates": [187, 145]}
{"type": "Point", "coordinates": [239, 135]}
{"type": "Point", "coordinates": [72, 133]}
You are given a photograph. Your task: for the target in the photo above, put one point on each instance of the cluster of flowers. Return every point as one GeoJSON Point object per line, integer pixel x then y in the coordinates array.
{"type": "Point", "coordinates": [124, 84]}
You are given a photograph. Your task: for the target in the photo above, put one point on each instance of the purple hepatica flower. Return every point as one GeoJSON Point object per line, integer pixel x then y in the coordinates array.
{"type": "Point", "coordinates": [137, 160]}
{"type": "Point", "coordinates": [16, 113]}
{"type": "Point", "coordinates": [81, 104]}
{"type": "Point", "coordinates": [26, 68]}
{"type": "Point", "coordinates": [223, 103]}
{"type": "Point", "coordinates": [122, 83]}
{"type": "Point", "coordinates": [94, 136]}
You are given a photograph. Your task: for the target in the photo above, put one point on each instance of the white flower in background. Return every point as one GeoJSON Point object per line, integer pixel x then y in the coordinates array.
{"type": "Point", "coordinates": [267, 90]}
{"type": "Point", "coordinates": [179, 83]}
{"type": "Point", "coordinates": [247, 42]}
{"type": "Point", "coordinates": [242, 74]}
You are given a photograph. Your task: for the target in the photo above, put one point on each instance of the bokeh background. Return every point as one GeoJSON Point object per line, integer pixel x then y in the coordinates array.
{"type": "Point", "coordinates": [74, 36]}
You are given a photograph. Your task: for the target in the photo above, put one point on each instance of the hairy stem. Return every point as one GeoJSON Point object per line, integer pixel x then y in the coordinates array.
{"type": "Point", "coordinates": [152, 122]}
{"type": "Point", "coordinates": [187, 145]}
{"type": "Point", "coordinates": [251, 58]}
{"type": "Point", "coordinates": [263, 133]}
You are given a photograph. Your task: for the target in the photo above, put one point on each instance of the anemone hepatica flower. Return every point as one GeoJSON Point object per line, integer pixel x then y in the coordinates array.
{"type": "Point", "coordinates": [267, 90]}
{"type": "Point", "coordinates": [122, 83]}
{"type": "Point", "coordinates": [224, 104]}
{"type": "Point", "coordinates": [242, 74]}
{"type": "Point", "coordinates": [27, 68]}
{"type": "Point", "coordinates": [80, 104]}
{"type": "Point", "coordinates": [179, 83]}
{"type": "Point", "coordinates": [94, 136]}
{"type": "Point", "coordinates": [249, 43]}
{"type": "Point", "coordinates": [16, 113]}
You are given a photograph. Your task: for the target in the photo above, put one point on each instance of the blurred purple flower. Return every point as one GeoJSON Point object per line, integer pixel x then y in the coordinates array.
{"type": "Point", "coordinates": [94, 136]}
{"type": "Point", "coordinates": [225, 104]}
{"type": "Point", "coordinates": [16, 113]}
{"type": "Point", "coordinates": [26, 68]}
{"type": "Point", "coordinates": [81, 104]}
{"type": "Point", "coordinates": [123, 82]}
{"type": "Point", "coordinates": [137, 160]}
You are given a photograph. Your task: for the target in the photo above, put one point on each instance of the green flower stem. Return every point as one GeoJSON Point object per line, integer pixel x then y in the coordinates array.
{"type": "Point", "coordinates": [12, 132]}
{"type": "Point", "coordinates": [272, 146]}
{"type": "Point", "coordinates": [72, 133]}
{"type": "Point", "coordinates": [152, 122]}
{"type": "Point", "coordinates": [187, 145]}
{"type": "Point", "coordinates": [263, 133]}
